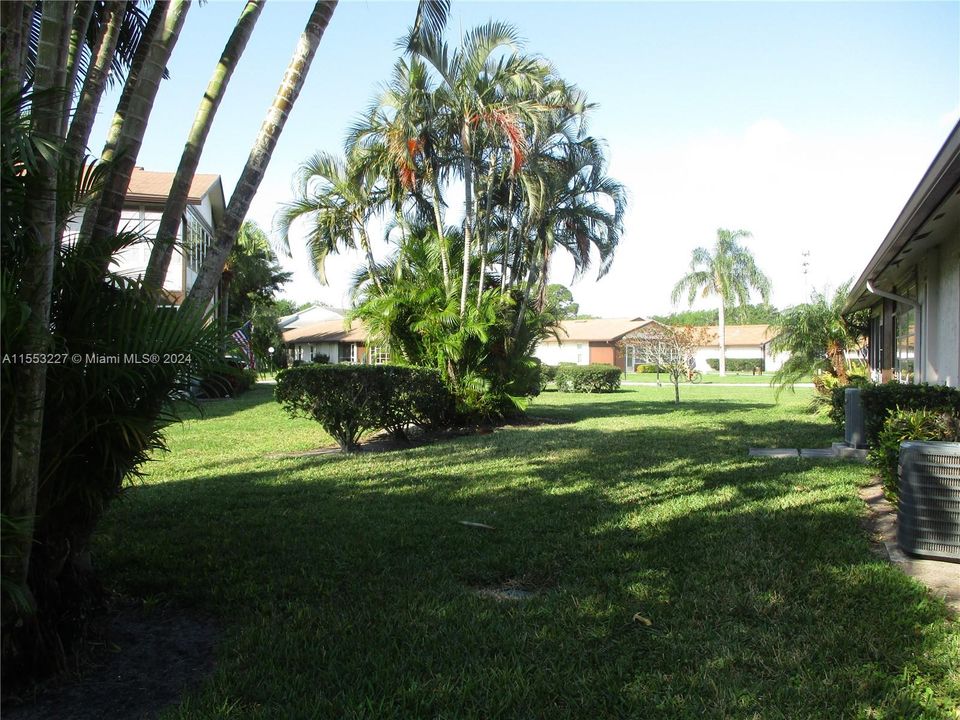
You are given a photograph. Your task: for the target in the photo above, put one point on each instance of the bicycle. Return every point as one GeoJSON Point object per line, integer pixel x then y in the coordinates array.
{"type": "Point", "coordinates": [695, 377]}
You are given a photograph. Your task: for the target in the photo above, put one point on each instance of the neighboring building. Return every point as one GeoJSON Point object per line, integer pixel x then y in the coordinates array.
{"type": "Point", "coordinates": [591, 341]}
{"type": "Point", "coordinates": [743, 342]}
{"type": "Point", "coordinates": [310, 316]}
{"type": "Point", "coordinates": [912, 284]}
{"type": "Point", "coordinates": [340, 342]}
{"type": "Point", "coordinates": [142, 209]}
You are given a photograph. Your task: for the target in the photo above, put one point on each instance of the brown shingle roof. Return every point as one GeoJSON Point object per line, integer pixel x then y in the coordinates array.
{"type": "Point", "coordinates": [599, 330]}
{"type": "Point", "coordinates": [327, 331]}
{"type": "Point", "coordinates": [148, 185]}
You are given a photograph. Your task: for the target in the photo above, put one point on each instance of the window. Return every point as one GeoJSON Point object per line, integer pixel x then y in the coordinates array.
{"type": "Point", "coordinates": [581, 359]}
{"type": "Point", "coordinates": [378, 355]}
{"type": "Point", "coordinates": [905, 345]}
{"type": "Point", "coordinates": [347, 353]}
{"type": "Point", "coordinates": [631, 357]}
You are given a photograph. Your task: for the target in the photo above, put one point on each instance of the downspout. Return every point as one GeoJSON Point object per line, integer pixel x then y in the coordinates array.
{"type": "Point", "coordinates": [906, 301]}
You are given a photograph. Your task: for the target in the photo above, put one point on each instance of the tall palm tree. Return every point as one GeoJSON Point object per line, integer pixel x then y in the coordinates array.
{"type": "Point", "coordinates": [400, 140]}
{"type": "Point", "coordinates": [729, 273]}
{"type": "Point", "coordinates": [34, 286]}
{"type": "Point", "coordinates": [206, 282]}
{"type": "Point", "coordinates": [130, 121]}
{"type": "Point", "coordinates": [337, 199]}
{"type": "Point", "coordinates": [470, 91]}
{"type": "Point", "coordinates": [162, 251]}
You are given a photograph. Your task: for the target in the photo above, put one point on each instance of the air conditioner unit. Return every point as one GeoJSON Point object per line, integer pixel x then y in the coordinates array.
{"type": "Point", "coordinates": [929, 515]}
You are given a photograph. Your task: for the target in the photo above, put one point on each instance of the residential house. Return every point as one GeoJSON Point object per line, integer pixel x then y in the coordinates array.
{"type": "Point", "coordinates": [743, 342]}
{"type": "Point", "coordinates": [143, 207]}
{"type": "Point", "coordinates": [310, 316]}
{"type": "Point", "coordinates": [339, 341]}
{"type": "Point", "coordinates": [591, 341]}
{"type": "Point", "coordinates": [911, 286]}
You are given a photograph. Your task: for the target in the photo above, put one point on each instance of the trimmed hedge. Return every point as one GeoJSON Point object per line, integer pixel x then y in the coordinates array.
{"type": "Point", "coordinates": [736, 365]}
{"type": "Point", "coordinates": [349, 400]}
{"type": "Point", "coordinates": [597, 377]}
{"type": "Point", "coordinates": [902, 426]}
{"type": "Point", "coordinates": [879, 401]}
{"type": "Point", "coordinates": [230, 382]}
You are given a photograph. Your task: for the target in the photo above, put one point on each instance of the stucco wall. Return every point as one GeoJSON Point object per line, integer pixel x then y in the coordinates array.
{"type": "Point", "coordinates": [554, 353]}
{"type": "Point", "coordinates": [940, 330]}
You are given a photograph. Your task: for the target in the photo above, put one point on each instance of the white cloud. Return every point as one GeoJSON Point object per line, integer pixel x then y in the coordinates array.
{"type": "Point", "coordinates": [834, 196]}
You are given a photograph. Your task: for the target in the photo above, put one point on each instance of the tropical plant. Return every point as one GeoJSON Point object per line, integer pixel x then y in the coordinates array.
{"type": "Point", "coordinates": [818, 337]}
{"type": "Point", "coordinates": [727, 272]}
{"type": "Point", "coordinates": [337, 199]}
{"type": "Point", "coordinates": [162, 251]}
{"type": "Point", "coordinates": [118, 363]}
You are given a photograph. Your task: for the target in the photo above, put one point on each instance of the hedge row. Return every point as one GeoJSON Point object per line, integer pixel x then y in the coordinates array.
{"type": "Point", "coordinates": [349, 400]}
{"type": "Point", "coordinates": [592, 378]}
{"type": "Point", "coordinates": [902, 426]}
{"type": "Point", "coordinates": [736, 364]}
{"type": "Point", "coordinates": [879, 401]}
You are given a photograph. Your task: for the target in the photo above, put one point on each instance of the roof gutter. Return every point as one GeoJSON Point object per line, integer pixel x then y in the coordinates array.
{"type": "Point", "coordinates": [892, 296]}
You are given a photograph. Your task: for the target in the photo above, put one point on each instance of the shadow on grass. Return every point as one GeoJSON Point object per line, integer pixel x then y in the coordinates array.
{"type": "Point", "coordinates": [347, 584]}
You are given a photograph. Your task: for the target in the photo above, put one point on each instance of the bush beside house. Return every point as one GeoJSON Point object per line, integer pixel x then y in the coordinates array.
{"type": "Point", "coordinates": [588, 378]}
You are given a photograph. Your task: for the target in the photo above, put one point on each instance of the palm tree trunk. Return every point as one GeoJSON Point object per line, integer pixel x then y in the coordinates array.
{"type": "Point", "coordinates": [468, 214]}
{"type": "Point", "coordinates": [96, 80]}
{"type": "Point", "coordinates": [531, 278]}
{"type": "Point", "coordinates": [81, 20]}
{"type": "Point", "coordinates": [506, 242]}
{"type": "Point", "coordinates": [36, 283]}
{"type": "Point", "coordinates": [17, 19]}
{"type": "Point", "coordinates": [162, 251]}
{"type": "Point", "coordinates": [130, 120]}
{"type": "Point", "coordinates": [486, 232]}
{"type": "Point", "coordinates": [723, 341]}
{"type": "Point", "coordinates": [441, 236]}
{"type": "Point", "coordinates": [371, 265]}
{"type": "Point", "coordinates": [203, 287]}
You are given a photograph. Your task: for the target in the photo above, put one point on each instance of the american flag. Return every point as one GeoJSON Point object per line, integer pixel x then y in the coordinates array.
{"type": "Point", "coordinates": [242, 338]}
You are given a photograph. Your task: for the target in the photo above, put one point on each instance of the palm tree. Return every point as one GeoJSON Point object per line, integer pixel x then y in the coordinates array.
{"type": "Point", "coordinates": [729, 272]}
{"type": "Point", "coordinates": [399, 139]}
{"type": "Point", "coordinates": [170, 221]}
{"type": "Point", "coordinates": [471, 95]}
{"type": "Point", "coordinates": [571, 203]}
{"type": "Point", "coordinates": [338, 199]}
{"type": "Point", "coordinates": [130, 121]}
{"type": "Point", "coordinates": [34, 287]}
{"type": "Point", "coordinates": [818, 336]}
{"type": "Point", "coordinates": [206, 282]}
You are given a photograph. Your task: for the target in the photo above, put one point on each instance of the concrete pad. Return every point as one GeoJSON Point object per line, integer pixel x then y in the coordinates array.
{"type": "Point", "coordinates": [773, 452]}
{"type": "Point", "coordinates": [942, 577]}
{"type": "Point", "coordinates": [818, 453]}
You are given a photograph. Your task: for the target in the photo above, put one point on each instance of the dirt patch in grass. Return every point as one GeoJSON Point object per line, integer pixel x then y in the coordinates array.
{"type": "Point", "coordinates": [144, 661]}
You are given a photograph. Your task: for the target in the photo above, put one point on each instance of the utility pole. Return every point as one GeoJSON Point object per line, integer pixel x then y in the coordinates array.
{"type": "Point", "coordinates": [805, 265]}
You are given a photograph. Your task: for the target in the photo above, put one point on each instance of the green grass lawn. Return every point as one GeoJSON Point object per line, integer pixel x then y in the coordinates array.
{"type": "Point", "coordinates": [712, 378]}
{"type": "Point", "coordinates": [347, 588]}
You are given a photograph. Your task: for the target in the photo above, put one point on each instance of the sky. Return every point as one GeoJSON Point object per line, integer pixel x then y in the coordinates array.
{"type": "Point", "coordinates": [806, 124]}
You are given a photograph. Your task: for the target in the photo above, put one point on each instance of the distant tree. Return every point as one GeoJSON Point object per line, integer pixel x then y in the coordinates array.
{"type": "Point", "coordinates": [255, 273]}
{"type": "Point", "coordinates": [728, 272]}
{"type": "Point", "coordinates": [669, 348]}
{"type": "Point", "coordinates": [751, 314]}
{"type": "Point", "coordinates": [560, 302]}
{"type": "Point", "coordinates": [287, 307]}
